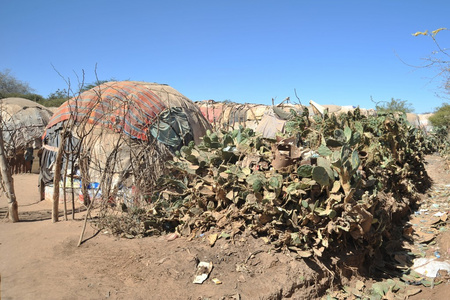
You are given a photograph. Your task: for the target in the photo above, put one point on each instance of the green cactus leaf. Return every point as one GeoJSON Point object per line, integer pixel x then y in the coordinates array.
{"type": "Point", "coordinates": [356, 138]}
{"type": "Point", "coordinates": [355, 161]}
{"type": "Point", "coordinates": [339, 135]}
{"type": "Point", "coordinates": [276, 181]}
{"type": "Point", "coordinates": [333, 143]}
{"type": "Point", "coordinates": [345, 152]}
{"type": "Point", "coordinates": [359, 127]}
{"type": "Point", "coordinates": [320, 175]}
{"type": "Point", "coordinates": [256, 180]}
{"type": "Point", "coordinates": [325, 163]}
{"type": "Point", "coordinates": [305, 171]}
{"type": "Point", "coordinates": [347, 133]}
{"type": "Point", "coordinates": [304, 203]}
{"type": "Point", "coordinates": [227, 140]}
{"type": "Point", "coordinates": [324, 150]}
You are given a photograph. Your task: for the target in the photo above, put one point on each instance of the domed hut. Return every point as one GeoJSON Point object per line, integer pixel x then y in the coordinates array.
{"type": "Point", "coordinates": [119, 134]}
{"type": "Point", "coordinates": [23, 123]}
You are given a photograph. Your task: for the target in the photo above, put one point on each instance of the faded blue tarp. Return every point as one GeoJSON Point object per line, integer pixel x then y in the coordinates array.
{"type": "Point", "coordinates": [172, 128]}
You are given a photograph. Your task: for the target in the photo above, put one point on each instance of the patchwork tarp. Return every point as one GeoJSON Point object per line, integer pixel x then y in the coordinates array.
{"type": "Point", "coordinates": [155, 119]}
{"type": "Point", "coordinates": [172, 128]}
{"type": "Point", "coordinates": [211, 110]}
{"type": "Point", "coordinates": [121, 106]}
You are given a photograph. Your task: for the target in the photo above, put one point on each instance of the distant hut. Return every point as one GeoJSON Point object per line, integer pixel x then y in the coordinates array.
{"type": "Point", "coordinates": [23, 124]}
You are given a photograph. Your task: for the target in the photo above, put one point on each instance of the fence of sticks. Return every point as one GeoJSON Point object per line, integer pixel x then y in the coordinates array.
{"type": "Point", "coordinates": [107, 146]}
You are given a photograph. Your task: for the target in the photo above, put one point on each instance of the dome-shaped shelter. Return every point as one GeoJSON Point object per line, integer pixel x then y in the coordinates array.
{"type": "Point", "coordinates": [123, 129]}
{"type": "Point", "coordinates": [23, 122]}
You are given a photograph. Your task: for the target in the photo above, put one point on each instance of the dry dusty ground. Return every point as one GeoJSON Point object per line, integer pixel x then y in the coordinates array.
{"type": "Point", "coordinates": [40, 260]}
{"type": "Point", "coordinates": [439, 171]}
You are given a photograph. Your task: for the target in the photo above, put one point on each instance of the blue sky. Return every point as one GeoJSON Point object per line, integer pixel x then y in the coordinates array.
{"type": "Point", "coordinates": [332, 52]}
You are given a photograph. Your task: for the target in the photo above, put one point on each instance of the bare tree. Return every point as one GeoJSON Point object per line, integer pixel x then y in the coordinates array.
{"type": "Point", "coordinates": [438, 59]}
{"type": "Point", "coordinates": [10, 85]}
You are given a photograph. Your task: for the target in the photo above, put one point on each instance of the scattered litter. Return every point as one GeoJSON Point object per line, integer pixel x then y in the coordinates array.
{"type": "Point", "coordinates": [439, 214]}
{"type": "Point", "coordinates": [202, 273]}
{"type": "Point", "coordinates": [430, 266]}
{"type": "Point", "coordinates": [436, 253]}
{"type": "Point", "coordinates": [216, 281]}
{"type": "Point", "coordinates": [173, 236]}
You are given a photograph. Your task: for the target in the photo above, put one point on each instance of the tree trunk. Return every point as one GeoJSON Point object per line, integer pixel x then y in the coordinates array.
{"type": "Point", "coordinates": [8, 183]}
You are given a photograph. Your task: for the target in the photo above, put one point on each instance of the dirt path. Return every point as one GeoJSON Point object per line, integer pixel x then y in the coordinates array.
{"type": "Point", "coordinates": [424, 237]}
{"type": "Point", "coordinates": [40, 260]}
{"type": "Point", "coordinates": [435, 203]}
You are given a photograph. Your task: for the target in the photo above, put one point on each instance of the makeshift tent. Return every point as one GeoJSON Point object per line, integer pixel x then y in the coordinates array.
{"type": "Point", "coordinates": [317, 109]}
{"type": "Point", "coordinates": [122, 128]}
{"type": "Point", "coordinates": [245, 115]}
{"type": "Point", "coordinates": [264, 119]}
{"type": "Point", "coordinates": [211, 110]}
{"type": "Point", "coordinates": [275, 118]}
{"type": "Point", "coordinates": [23, 122]}
{"type": "Point", "coordinates": [229, 115]}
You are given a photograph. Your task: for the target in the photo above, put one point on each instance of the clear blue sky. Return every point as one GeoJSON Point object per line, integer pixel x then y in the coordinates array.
{"type": "Point", "coordinates": [332, 52]}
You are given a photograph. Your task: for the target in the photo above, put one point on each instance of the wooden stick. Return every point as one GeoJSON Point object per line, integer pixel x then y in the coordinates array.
{"type": "Point", "coordinates": [80, 241]}
{"type": "Point", "coordinates": [8, 183]}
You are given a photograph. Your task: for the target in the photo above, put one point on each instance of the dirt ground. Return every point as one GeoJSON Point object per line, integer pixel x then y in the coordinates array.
{"type": "Point", "coordinates": [40, 260]}
{"type": "Point", "coordinates": [438, 199]}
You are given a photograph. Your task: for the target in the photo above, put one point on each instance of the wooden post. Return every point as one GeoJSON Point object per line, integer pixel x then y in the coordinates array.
{"type": "Point", "coordinates": [64, 188]}
{"type": "Point", "coordinates": [8, 183]}
{"type": "Point", "coordinates": [57, 179]}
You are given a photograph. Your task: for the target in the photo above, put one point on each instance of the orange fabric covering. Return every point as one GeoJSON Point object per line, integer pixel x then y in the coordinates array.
{"type": "Point", "coordinates": [122, 106]}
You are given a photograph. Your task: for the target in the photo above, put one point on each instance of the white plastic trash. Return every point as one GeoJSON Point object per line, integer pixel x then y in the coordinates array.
{"type": "Point", "coordinates": [430, 266]}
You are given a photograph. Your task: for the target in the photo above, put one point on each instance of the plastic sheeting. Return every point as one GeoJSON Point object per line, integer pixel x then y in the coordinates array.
{"type": "Point", "coordinates": [172, 128]}
{"type": "Point", "coordinates": [270, 125]}
{"type": "Point", "coordinates": [141, 111]}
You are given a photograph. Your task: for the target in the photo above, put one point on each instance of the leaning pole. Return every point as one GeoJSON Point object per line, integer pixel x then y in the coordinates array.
{"type": "Point", "coordinates": [8, 183]}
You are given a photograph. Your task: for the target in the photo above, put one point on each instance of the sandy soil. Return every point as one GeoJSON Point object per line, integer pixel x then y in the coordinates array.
{"type": "Point", "coordinates": [439, 171]}
{"type": "Point", "coordinates": [40, 260]}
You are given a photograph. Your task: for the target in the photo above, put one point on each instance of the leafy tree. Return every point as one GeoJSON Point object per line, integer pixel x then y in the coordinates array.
{"type": "Point", "coordinates": [34, 97]}
{"type": "Point", "coordinates": [53, 102]}
{"type": "Point", "coordinates": [395, 105]}
{"type": "Point", "coordinates": [10, 85]}
{"type": "Point", "coordinates": [94, 84]}
{"type": "Point", "coordinates": [441, 117]}
{"type": "Point", "coordinates": [59, 94]}
{"type": "Point", "coordinates": [29, 96]}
